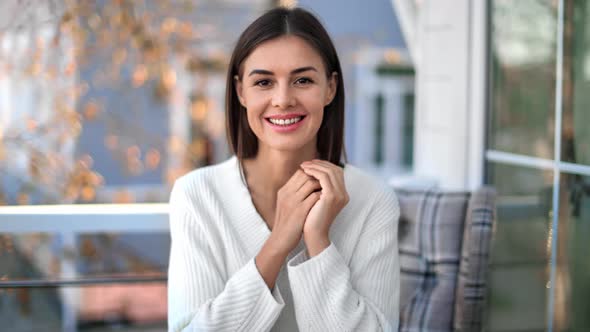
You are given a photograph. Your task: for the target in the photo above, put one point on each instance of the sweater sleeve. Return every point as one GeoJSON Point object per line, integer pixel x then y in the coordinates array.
{"type": "Point", "coordinates": [199, 297]}
{"type": "Point", "coordinates": [330, 295]}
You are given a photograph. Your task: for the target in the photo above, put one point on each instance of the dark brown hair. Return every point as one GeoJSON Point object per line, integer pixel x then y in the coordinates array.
{"type": "Point", "coordinates": [276, 23]}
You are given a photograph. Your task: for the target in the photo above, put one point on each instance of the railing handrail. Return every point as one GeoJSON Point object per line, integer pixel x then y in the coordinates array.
{"type": "Point", "coordinates": [85, 281]}
{"type": "Point", "coordinates": [86, 218]}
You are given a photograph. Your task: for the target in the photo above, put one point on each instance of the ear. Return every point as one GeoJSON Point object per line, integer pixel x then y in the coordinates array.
{"type": "Point", "coordinates": [332, 87]}
{"type": "Point", "coordinates": [239, 92]}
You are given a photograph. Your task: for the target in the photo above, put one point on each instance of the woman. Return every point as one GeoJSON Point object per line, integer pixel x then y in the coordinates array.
{"type": "Point", "coordinates": [283, 236]}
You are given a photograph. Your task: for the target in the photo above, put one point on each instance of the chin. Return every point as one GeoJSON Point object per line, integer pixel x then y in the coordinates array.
{"type": "Point", "coordinates": [291, 145]}
{"type": "Point", "coordinates": [288, 147]}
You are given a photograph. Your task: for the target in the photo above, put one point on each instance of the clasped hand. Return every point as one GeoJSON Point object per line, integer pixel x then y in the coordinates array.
{"type": "Point", "coordinates": [309, 202]}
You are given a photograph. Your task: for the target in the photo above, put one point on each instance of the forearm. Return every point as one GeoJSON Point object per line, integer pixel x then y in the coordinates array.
{"type": "Point", "coordinates": [269, 261]}
{"type": "Point", "coordinates": [323, 287]}
{"type": "Point", "coordinates": [200, 295]}
{"type": "Point", "coordinates": [243, 304]}
{"type": "Point", "coordinates": [316, 243]}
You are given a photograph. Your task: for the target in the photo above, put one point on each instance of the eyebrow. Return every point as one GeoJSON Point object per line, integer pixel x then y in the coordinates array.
{"type": "Point", "coordinates": [294, 71]}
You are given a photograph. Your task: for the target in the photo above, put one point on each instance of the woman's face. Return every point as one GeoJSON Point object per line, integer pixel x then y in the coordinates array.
{"type": "Point", "coordinates": [284, 88]}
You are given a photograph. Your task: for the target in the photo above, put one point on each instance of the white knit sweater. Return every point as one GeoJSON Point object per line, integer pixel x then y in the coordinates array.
{"type": "Point", "coordinates": [214, 284]}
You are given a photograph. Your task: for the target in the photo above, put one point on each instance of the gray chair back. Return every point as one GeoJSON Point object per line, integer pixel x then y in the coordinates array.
{"type": "Point", "coordinates": [444, 244]}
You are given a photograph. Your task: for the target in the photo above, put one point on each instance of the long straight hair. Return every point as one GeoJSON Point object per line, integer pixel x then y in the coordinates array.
{"type": "Point", "coordinates": [273, 24]}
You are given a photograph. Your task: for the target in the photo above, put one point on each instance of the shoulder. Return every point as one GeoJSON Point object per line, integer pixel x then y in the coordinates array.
{"type": "Point", "coordinates": [201, 182]}
{"type": "Point", "coordinates": [370, 192]}
{"type": "Point", "coordinates": [364, 184]}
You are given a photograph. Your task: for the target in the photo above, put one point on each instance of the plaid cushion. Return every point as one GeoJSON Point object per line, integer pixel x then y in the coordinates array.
{"type": "Point", "coordinates": [432, 231]}
{"type": "Point", "coordinates": [430, 236]}
{"type": "Point", "coordinates": [477, 238]}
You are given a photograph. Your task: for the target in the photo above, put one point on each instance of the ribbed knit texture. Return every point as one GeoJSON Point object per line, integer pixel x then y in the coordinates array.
{"type": "Point", "coordinates": [214, 284]}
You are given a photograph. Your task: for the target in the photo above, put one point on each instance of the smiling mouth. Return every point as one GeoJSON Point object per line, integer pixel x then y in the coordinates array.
{"type": "Point", "coordinates": [285, 122]}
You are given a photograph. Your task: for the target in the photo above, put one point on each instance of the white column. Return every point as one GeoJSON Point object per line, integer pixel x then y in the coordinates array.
{"type": "Point", "coordinates": [450, 91]}
{"type": "Point", "coordinates": [477, 89]}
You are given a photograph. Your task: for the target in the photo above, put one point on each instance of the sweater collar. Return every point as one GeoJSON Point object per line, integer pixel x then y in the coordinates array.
{"type": "Point", "coordinates": [252, 224]}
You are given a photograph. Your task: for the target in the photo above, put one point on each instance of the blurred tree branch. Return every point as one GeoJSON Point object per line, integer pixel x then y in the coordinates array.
{"type": "Point", "coordinates": [63, 38]}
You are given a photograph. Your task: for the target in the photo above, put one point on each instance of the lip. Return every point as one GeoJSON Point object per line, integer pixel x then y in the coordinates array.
{"type": "Point", "coordinates": [285, 116]}
{"type": "Point", "coordinates": [285, 129]}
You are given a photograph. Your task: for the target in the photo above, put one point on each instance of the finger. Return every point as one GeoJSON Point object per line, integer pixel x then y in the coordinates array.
{"type": "Point", "coordinates": [335, 191]}
{"type": "Point", "coordinates": [297, 180]}
{"type": "Point", "coordinates": [326, 166]}
{"type": "Point", "coordinates": [335, 172]}
{"type": "Point", "coordinates": [305, 178]}
{"type": "Point", "coordinates": [338, 189]}
{"type": "Point", "coordinates": [331, 172]}
{"type": "Point", "coordinates": [322, 176]}
{"type": "Point", "coordinates": [325, 163]}
{"type": "Point", "coordinates": [308, 187]}
{"type": "Point", "coordinates": [309, 202]}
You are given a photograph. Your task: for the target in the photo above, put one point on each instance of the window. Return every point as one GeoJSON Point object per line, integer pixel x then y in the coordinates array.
{"type": "Point", "coordinates": [538, 159]}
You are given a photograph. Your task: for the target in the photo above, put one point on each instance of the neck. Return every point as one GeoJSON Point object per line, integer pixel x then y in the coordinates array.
{"type": "Point", "coordinates": [271, 169]}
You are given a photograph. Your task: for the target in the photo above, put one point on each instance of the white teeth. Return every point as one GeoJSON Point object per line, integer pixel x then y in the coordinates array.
{"type": "Point", "coordinates": [287, 122]}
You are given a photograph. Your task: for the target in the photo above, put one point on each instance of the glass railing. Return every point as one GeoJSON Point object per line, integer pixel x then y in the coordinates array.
{"type": "Point", "coordinates": [84, 267]}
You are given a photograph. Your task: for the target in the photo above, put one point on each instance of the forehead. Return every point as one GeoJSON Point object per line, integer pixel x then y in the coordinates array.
{"type": "Point", "coordinates": [283, 54]}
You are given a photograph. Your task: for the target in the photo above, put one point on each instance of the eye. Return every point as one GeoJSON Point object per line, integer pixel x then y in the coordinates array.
{"type": "Point", "coordinates": [303, 81]}
{"type": "Point", "coordinates": [262, 83]}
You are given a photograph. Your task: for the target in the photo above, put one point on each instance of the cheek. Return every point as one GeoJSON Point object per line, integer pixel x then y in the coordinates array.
{"type": "Point", "coordinates": [256, 101]}
{"type": "Point", "coordinates": [314, 102]}
{"type": "Point", "coordinates": [254, 120]}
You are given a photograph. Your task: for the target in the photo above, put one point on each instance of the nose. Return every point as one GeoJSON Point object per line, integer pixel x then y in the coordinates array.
{"type": "Point", "coordinates": [283, 97]}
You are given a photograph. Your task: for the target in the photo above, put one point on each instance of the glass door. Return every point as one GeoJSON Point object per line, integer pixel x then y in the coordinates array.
{"type": "Point", "coordinates": [538, 158]}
